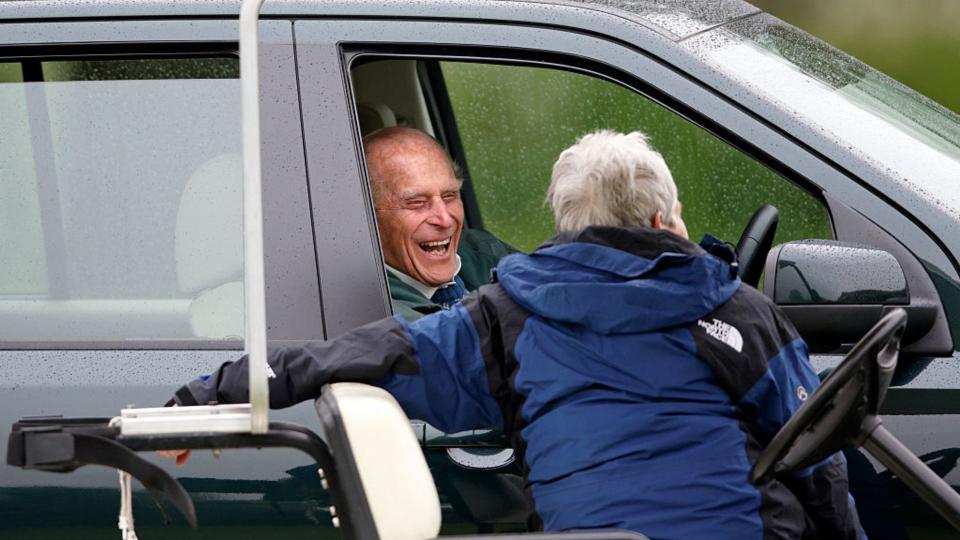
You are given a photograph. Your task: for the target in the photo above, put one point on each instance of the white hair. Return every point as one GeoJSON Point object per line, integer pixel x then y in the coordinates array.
{"type": "Point", "coordinates": [610, 178]}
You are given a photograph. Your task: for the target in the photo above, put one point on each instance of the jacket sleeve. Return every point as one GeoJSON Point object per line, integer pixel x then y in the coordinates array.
{"type": "Point", "coordinates": [823, 489]}
{"type": "Point", "coordinates": [433, 367]}
{"type": "Point", "coordinates": [297, 373]}
{"type": "Point", "coordinates": [824, 492]}
{"type": "Point", "coordinates": [451, 390]}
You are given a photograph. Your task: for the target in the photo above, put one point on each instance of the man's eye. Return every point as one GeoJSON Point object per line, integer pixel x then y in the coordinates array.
{"type": "Point", "coordinates": [450, 197]}
{"type": "Point", "coordinates": [416, 204]}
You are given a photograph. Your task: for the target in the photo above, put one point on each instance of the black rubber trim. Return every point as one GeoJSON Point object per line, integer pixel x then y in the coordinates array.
{"type": "Point", "coordinates": [115, 50]}
{"type": "Point", "coordinates": [441, 115]}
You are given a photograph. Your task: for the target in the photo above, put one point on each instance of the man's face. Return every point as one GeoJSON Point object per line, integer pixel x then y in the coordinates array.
{"type": "Point", "coordinates": [420, 214]}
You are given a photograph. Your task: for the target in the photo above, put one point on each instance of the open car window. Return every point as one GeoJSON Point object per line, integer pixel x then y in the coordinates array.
{"type": "Point", "coordinates": [506, 125]}
{"type": "Point", "coordinates": [514, 121]}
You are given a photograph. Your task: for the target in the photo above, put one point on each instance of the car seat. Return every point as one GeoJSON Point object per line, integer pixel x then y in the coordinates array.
{"type": "Point", "coordinates": [208, 246]}
{"type": "Point", "coordinates": [374, 116]}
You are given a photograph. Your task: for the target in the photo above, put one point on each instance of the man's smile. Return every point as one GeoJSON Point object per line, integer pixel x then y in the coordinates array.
{"type": "Point", "coordinates": [436, 248]}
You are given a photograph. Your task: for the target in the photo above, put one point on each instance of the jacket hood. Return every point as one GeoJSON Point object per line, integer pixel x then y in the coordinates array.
{"type": "Point", "coordinates": [620, 280]}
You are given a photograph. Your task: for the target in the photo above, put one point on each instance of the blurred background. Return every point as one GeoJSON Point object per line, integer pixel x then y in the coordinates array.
{"type": "Point", "coordinates": [914, 41]}
{"type": "Point", "coordinates": [510, 150]}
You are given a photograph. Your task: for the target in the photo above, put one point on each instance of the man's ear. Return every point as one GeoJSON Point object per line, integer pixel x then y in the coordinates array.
{"type": "Point", "coordinates": [656, 222]}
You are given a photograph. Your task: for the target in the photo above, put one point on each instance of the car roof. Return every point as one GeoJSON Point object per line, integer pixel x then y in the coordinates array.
{"type": "Point", "coordinates": [673, 19]}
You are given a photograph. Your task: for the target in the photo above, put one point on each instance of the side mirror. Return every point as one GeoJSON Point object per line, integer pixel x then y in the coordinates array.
{"type": "Point", "coordinates": [834, 292]}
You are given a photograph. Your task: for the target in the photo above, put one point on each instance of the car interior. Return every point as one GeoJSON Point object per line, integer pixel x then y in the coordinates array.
{"type": "Point", "coordinates": [113, 238]}
{"type": "Point", "coordinates": [208, 248]}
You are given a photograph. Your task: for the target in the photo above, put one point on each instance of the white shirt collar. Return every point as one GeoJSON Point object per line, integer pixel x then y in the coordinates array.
{"type": "Point", "coordinates": [422, 288]}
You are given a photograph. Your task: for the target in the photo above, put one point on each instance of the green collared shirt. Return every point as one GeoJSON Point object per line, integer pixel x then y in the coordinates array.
{"type": "Point", "coordinates": [479, 253]}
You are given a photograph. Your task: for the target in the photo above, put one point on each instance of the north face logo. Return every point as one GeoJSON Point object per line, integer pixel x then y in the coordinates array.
{"type": "Point", "coordinates": [724, 332]}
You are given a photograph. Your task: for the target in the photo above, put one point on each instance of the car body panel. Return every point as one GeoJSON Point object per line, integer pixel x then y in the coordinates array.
{"type": "Point", "coordinates": [676, 19]}
{"type": "Point", "coordinates": [323, 263]}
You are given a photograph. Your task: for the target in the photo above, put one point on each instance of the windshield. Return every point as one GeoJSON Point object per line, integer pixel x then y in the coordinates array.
{"type": "Point", "coordinates": [912, 138]}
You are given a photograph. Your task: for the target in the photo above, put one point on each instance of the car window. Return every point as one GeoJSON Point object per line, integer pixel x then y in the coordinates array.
{"type": "Point", "coordinates": [515, 120]}
{"type": "Point", "coordinates": [120, 218]}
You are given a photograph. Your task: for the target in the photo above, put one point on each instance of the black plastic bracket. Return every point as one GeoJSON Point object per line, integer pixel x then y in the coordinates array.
{"type": "Point", "coordinates": [57, 444]}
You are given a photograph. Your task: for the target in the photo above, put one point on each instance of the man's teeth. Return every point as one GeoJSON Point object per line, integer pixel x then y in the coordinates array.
{"type": "Point", "coordinates": [438, 247]}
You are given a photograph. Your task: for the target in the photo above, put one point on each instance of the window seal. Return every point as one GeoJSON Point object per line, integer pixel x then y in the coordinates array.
{"type": "Point", "coordinates": [117, 50]}
{"type": "Point", "coordinates": [434, 90]}
{"type": "Point", "coordinates": [124, 345]}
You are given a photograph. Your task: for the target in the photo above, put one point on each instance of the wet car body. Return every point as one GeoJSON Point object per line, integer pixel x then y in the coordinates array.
{"type": "Point", "coordinates": [323, 265]}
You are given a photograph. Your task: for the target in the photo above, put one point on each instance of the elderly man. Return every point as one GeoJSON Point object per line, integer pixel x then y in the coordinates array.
{"type": "Point", "coordinates": [638, 377]}
{"type": "Point", "coordinates": [432, 261]}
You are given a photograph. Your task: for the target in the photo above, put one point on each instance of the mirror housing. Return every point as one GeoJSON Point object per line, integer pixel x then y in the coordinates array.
{"type": "Point", "coordinates": [834, 292]}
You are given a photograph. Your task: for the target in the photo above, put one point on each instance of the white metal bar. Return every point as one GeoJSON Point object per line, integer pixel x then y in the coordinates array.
{"type": "Point", "coordinates": [255, 318]}
{"type": "Point", "coordinates": [186, 420]}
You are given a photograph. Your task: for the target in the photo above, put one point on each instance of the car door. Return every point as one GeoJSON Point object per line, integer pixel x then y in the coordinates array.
{"type": "Point", "coordinates": [473, 54]}
{"type": "Point", "coordinates": [120, 220]}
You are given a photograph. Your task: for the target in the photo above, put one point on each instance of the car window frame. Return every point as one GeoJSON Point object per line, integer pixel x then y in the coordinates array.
{"type": "Point", "coordinates": [445, 127]}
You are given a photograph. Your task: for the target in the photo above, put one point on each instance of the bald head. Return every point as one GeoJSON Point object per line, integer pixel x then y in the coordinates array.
{"type": "Point", "coordinates": [390, 151]}
{"type": "Point", "coordinates": [416, 194]}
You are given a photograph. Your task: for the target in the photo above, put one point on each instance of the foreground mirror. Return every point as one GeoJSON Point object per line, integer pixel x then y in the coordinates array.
{"type": "Point", "coordinates": [833, 292]}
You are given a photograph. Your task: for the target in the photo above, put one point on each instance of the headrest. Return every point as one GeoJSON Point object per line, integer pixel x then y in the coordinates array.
{"type": "Point", "coordinates": [374, 116]}
{"type": "Point", "coordinates": [218, 313]}
{"type": "Point", "coordinates": [209, 233]}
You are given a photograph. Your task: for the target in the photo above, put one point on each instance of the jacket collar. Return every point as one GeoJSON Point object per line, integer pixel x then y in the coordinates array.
{"type": "Point", "coordinates": [425, 290]}
{"type": "Point", "coordinates": [646, 242]}
{"type": "Point", "coordinates": [641, 241]}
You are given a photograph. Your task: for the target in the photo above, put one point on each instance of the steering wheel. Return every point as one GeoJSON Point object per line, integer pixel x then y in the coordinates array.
{"type": "Point", "coordinates": [755, 242]}
{"type": "Point", "coordinates": [845, 408]}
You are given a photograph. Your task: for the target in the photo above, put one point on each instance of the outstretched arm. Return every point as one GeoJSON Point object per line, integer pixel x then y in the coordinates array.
{"type": "Point", "coordinates": [297, 373]}
{"type": "Point", "coordinates": [433, 368]}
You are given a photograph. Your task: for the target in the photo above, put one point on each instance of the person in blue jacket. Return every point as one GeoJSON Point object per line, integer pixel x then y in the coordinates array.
{"type": "Point", "coordinates": [637, 376]}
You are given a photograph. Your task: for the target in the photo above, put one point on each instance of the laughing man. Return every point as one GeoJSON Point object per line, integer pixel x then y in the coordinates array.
{"type": "Point", "coordinates": [432, 261]}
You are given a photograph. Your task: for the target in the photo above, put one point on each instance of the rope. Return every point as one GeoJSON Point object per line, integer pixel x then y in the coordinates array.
{"type": "Point", "coordinates": [125, 520]}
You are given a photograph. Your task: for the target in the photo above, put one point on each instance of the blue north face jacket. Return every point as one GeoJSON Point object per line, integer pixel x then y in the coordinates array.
{"type": "Point", "coordinates": [636, 376]}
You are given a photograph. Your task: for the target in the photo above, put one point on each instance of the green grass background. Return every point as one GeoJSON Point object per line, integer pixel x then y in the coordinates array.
{"type": "Point", "coordinates": [916, 42]}
{"type": "Point", "coordinates": [515, 121]}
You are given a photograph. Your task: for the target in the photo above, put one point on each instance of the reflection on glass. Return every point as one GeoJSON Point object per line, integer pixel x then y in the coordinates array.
{"type": "Point", "coordinates": [108, 168]}
{"type": "Point", "coordinates": [885, 123]}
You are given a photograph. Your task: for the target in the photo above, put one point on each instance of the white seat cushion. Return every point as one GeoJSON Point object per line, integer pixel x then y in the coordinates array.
{"type": "Point", "coordinates": [218, 313]}
{"type": "Point", "coordinates": [396, 480]}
